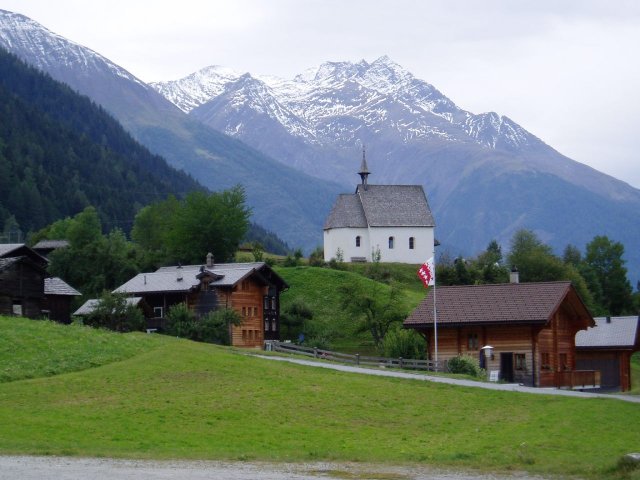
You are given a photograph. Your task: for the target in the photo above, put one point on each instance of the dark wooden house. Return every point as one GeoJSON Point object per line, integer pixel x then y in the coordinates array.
{"type": "Point", "coordinates": [531, 328]}
{"type": "Point", "coordinates": [608, 348]}
{"type": "Point", "coordinates": [21, 286]}
{"type": "Point", "coordinates": [58, 297]}
{"type": "Point", "coordinates": [251, 289]}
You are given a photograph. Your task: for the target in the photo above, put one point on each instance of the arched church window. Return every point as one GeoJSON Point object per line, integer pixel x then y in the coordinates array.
{"type": "Point", "coordinates": [358, 241]}
{"type": "Point", "coordinates": [412, 243]}
{"type": "Point", "coordinates": [391, 240]}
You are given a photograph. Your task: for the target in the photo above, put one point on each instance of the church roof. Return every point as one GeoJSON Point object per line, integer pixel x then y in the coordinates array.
{"type": "Point", "coordinates": [381, 206]}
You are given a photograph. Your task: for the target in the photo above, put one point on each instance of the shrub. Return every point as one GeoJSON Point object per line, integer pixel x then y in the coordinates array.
{"type": "Point", "coordinates": [211, 328]}
{"type": "Point", "coordinates": [466, 365]}
{"type": "Point", "coordinates": [115, 313]}
{"type": "Point", "coordinates": [316, 259]}
{"type": "Point", "coordinates": [404, 343]}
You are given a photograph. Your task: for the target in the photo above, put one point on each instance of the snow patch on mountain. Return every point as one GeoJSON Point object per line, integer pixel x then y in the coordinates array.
{"type": "Point", "coordinates": [21, 34]}
{"type": "Point", "coordinates": [322, 104]}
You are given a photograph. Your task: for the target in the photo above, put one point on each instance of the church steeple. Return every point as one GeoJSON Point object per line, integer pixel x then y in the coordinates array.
{"type": "Point", "coordinates": [364, 170]}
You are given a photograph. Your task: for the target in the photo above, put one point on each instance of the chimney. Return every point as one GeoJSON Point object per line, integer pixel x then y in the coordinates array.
{"type": "Point", "coordinates": [514, 276]}
{"type": "Point", "coordinates": [179, 273]}
{"type": "Point", "coordinates": [209, 260]}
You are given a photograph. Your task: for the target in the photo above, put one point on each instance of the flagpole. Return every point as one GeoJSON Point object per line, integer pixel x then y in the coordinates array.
{"type": "Point", "coordinates": [435, 316]}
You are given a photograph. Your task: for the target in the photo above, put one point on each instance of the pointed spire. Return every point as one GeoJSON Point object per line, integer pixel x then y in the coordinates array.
{"type": "Point", "coordinates": [364, 170]}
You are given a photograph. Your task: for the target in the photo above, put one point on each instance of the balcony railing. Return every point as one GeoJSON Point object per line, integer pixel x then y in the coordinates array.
{"type": "Point", "coordinates": [578, 379]}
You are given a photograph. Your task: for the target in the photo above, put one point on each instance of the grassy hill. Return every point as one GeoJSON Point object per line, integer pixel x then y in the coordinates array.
{"type": "Point", "coordinates": [319, 288]}
{"type": "Point", "coordinates": [179, 399]}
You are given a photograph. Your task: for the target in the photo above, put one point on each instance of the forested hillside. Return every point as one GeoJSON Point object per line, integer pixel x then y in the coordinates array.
{"type": "Point", "coordinates": [60, 153]}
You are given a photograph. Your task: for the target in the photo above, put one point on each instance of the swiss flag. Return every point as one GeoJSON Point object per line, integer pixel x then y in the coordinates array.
{"type": "Point", "coordinates": [427, 273]}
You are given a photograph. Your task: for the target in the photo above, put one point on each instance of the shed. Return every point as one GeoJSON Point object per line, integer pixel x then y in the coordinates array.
{"type": "Point", "coordinates": [608, 347]}
{"type": "Point", "coordinates": [58, 296]}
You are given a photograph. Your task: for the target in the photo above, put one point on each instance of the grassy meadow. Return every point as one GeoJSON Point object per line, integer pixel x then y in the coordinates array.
{"type": "Point", "coordinates": [318, 287]}
{"type": "Point", "coordinates": [152, 396]}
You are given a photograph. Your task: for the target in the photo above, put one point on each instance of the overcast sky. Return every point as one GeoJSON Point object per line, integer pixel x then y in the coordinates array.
{"type": "Point", "coordinates": [566, 70]}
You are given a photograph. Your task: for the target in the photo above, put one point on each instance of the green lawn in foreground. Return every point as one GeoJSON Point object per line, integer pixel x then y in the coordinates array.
{"type": "Point", "coordinates": [180, 399]}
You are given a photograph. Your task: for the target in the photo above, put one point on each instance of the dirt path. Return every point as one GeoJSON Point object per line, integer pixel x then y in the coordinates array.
{"type": "Point", "coordinates": [65, 468]}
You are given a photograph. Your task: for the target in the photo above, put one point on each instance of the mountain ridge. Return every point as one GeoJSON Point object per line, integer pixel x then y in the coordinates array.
{"type": "Point", "coordinates": [282, 198]}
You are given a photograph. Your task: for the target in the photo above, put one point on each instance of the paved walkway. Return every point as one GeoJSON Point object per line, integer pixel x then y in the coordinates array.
{"type": "Point", "coordinates": [64, 468]}
{"type": "Point", "coordinates": [509, 387]}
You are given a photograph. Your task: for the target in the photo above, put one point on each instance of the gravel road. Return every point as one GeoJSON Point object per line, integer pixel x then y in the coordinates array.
{"type": "Point", "coordinates": [65, 468]}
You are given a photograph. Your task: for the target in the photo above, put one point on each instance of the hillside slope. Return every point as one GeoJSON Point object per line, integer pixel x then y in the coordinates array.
{"type": "Point", "coordinates": [59, 153]}
{"type": "Point", "coordinates": [283, 199]}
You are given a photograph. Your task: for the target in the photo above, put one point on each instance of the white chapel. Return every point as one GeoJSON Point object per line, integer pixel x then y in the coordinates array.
{"type": "Point", "coordinates": [392, 221]}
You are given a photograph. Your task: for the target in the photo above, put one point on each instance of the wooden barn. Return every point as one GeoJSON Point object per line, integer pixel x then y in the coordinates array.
{"type": "Point", "coordinates": [251, 289]}
{"type": "Point", "coordinates": [58, 297]}
{"type": "Point", "coordinates": [608, 348]}
{"type": "Point", "coordinates": [531, 327]}
{"type": "Point", "coordinates": [21, 286]}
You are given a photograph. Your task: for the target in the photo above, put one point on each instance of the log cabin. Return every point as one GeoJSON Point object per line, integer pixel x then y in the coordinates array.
{"type": "Point", "coordinates": [608, 348]}
{"type": "Point", "coordinates": [531, 328]}
{"type": "Point", "coordinates": [251, 289]}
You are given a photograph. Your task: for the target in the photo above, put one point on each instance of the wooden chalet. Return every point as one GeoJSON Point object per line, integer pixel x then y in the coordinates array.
{"type": "Point", "coordinates": [251, 289]}
{"type": "Point", "coordinates": [531, 327]}
{"type": "Point", "coordinates": [608, 348]}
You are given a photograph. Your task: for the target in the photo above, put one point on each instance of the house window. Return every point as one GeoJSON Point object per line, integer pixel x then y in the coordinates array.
{"type": "Point", "coordinates": [564, 361]}
{"type": "Point", "coordinates": [358, 241]}
{"type": "Point", "coordinates": [391, 239]}
{"type": "Point", "coordinates": [158, 312]}
{"type": "Point", "coordinates": [472, 341]}
{"type": "Point", "coordinates": [412, 243]}
{"type": "Point", "coordinates": [520, 361]}
{"type": "Point", "coordinates": [545, 361]}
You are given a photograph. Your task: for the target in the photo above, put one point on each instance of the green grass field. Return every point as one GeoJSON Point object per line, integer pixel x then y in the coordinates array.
{"type": "Point", "coordinates": [319, 289]}
{"type": "Point", "coordinates": [164, 398]}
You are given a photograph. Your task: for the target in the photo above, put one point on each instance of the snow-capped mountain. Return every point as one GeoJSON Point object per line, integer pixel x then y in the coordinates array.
{"type": "Point", "coordinates": [214, 159]}
{"type": "Point", "coordinates": [380, 95]}
{"type": "Point", "coordinates": [485, 175]}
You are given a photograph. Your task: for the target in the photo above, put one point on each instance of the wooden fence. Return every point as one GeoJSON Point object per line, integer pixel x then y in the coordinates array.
{"type": "Point", "coordinates": [355, 359]}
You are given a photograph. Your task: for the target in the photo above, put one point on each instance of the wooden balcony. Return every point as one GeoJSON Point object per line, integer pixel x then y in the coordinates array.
{"type": "Point", "coordinates": [578, 379]}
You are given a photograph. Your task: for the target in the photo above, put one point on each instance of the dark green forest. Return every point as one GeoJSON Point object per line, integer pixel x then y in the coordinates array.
{"type": "Point", "coordinates": [60, 153]}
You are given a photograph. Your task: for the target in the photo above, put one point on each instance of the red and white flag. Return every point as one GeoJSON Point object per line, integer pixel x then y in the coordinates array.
{"type": "Point", "coordinates": [427, 273]}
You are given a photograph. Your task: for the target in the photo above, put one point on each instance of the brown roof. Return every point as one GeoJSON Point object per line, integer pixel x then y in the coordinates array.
{"type": "Point", "coordinates": [531, 303]}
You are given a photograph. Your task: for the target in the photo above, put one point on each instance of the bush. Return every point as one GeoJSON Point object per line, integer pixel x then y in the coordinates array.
{"type": "Point", "coordinates": [404, 343]}
{"type": "Point", "coordinates": [465, 365]}
{"type": "Point", "coordinates": [115, 313]}
{"type": "Point", "coordinates": [316, 259]}
{"type": "Point", "coordinates": [211, 328]}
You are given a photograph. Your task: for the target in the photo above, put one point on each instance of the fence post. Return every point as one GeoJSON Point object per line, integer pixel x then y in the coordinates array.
{"type": "Point", "coordinates": [315, 352]}
{"type": "Point", "coordinates": [357, 359]}
{"type": "Point", "coordinates": [400, 361]}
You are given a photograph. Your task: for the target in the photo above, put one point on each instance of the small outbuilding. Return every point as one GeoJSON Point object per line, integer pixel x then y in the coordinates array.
{"type": "Point", "coordinates": [58, 297]}
{"type": "Point", "coordinates": [531, 328]}
{"type": "Point", "coordinates": [608, 348]}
